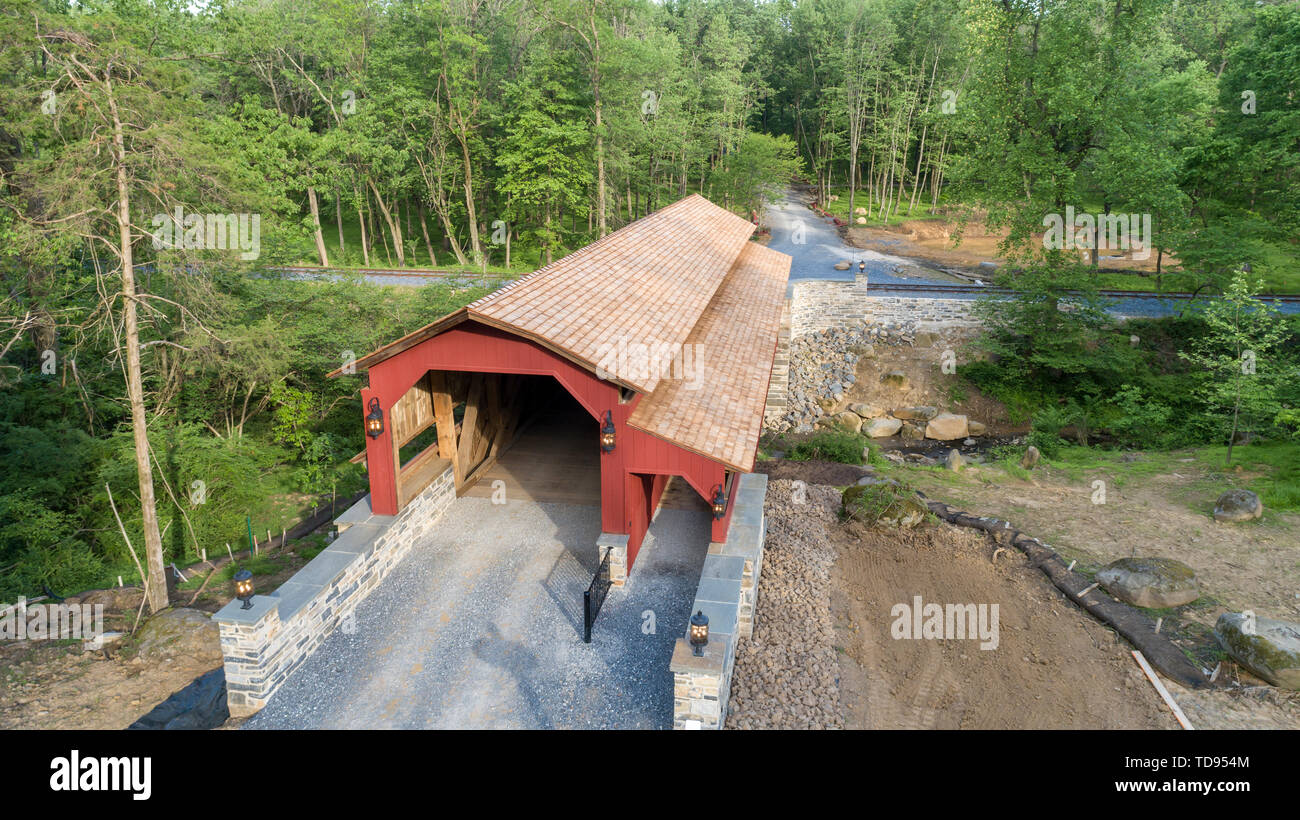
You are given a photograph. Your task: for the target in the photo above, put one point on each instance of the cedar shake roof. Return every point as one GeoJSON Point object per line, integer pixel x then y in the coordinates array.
{"type": "Point", "coordinates": [716, 408]}
{"type": "Point", "coordinates": [647, 283]}
{"type": "Point", "coordinates": [684, 275]}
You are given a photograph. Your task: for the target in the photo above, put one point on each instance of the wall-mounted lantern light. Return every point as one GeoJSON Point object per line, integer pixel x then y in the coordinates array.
{"type": "Point", "coordinates": [699, 632]}
{"type": "Point", "coordinates": [607, 433]}
{"type": "Point", "coordinates": [719, 504]}
{"type": "Point", "coordinates": [375, 420]}
{"type": "Point", "coordinates": [244, 588]}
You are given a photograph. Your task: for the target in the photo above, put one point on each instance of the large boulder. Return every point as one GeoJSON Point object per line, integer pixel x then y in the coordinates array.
{"type": "Point", "coordinates": [847, 421]}
{"type": "Point", "coordinates": [977, 428]}
{"type": "Point", "coordinates": [1150, 582]}
{"type": "Point", "coordinates": [1236, 506]}
{"type": "Point", "coordinates": [1270, 649]}
{"type": "Point", "coordinates": [113, 599]}
{"type": "Point", "coordinates": [883, 502]}
{"type": "Point", "coordinates": [912, 431]}
{"type": "Point", "coordinates": [881, 427]}
{"type": "Point", "coordinates": [920, 413]}
{"type": "Point", "coordinates": [181, 631]}
{"type": "Point", "coordinates": [867, 411]}
{"type": "Point", "coordinates": [947, 427]}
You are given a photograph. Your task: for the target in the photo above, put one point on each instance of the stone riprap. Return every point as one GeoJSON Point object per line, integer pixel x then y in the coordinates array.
{"type": "Point", "coordinates": [263, 645]}
{"type": "Point", "coordinates": [823, 367]}
{"type": "Point", "coordinates": [728, 595]}
{"type": "Point", "coordinates": [786, 676]}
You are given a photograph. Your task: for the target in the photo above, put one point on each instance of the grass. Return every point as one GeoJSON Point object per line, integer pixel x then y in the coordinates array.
{"type": "Point", "coordinates": [1275, 467]}
{"type": "Point", "coordinates": [905, 213]}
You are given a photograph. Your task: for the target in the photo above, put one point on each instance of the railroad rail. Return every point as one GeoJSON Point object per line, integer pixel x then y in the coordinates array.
{"type": "Point", "coordinates": [931, 287]}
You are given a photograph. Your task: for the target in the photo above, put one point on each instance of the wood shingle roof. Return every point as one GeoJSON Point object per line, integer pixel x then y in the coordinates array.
{"type": "Point", "coordinates": [684, 280]}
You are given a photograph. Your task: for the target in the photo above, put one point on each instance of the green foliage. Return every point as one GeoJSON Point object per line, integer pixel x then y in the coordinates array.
{"type": "Point", "coordinates": [830, 445]}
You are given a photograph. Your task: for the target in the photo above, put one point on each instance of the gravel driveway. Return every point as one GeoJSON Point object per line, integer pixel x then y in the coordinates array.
{"type": "Point", "coordinates": [481, 627]}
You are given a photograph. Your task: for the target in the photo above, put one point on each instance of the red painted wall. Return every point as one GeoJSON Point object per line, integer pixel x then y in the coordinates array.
{"type": "Point", "coordinates": [627, 499]}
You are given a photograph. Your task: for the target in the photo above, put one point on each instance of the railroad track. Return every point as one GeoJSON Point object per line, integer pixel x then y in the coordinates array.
{"type": "Point", "coordinates": [415, 273]}
{"type": "Point", "coordinates": [930, 287]}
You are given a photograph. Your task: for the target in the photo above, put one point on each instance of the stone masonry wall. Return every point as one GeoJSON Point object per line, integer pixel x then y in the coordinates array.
{"type": "Point", "coordinates": [265, 644]}
{"type": "Point", "coordinates": [819, 305]}
{"type": "Point", "coordinates": [727, 594]}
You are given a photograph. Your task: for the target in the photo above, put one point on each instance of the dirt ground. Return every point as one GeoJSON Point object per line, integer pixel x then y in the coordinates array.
{"type": "Point", "coordinates": [57, 685]}
{"type": "Point", "coordinates": [1166, 514]}
{"type": "Point", "coordinates": [1054, 667]}
{"type": "Point", "coordinates": [931, 240]}
{"type": "Point", "coordinates": [53, 686]}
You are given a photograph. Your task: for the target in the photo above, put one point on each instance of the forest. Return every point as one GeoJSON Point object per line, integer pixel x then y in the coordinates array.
{"type": "Point", "coordinates": [162, 378]}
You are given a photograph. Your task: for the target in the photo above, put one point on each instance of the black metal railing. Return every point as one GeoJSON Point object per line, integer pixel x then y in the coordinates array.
{"type": "Point", "coordinates": [594, 597]}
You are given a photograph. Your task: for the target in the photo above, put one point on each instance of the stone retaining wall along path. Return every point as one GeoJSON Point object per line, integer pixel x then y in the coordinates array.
{"type": "Point", "coordinates": [266, 643]}
{"type": "Point", "coordinates": [822, 305]}
{"type": "Point", "coordinates": [728, 595]}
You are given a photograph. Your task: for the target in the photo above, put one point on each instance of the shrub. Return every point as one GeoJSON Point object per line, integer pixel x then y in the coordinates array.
{"type": "Point", "coordinates": [830, 445]}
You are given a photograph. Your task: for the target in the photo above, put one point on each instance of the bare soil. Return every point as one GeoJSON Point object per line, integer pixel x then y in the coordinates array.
{"type": "Point", "coordinates": [932, 240]}
{"type": "Point", "coordinates": [57, 685]}
{"type": "Point", "coordinates": [1054, 667]}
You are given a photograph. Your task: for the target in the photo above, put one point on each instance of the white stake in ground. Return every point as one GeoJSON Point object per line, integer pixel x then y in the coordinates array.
{"type": "Point", "coordinates": [1160, 688]}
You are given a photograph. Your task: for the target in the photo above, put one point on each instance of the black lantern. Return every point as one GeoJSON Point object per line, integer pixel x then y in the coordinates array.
{"type": "Point", "coordinates": [719, 504]}
{"type": "Point", "coordinates": [862, 266]}
{"type": "Point", "coordinates": [699, 632]}
{"type": "Point", "coordinates": [375, 420]}
{"type": "Point", "coordinates": [244, 588]}
{"type": "Point", "coordinates": [607, 433]}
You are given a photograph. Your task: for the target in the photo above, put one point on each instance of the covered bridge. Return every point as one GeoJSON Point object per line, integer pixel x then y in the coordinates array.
{"type": "Point", "coordinates": [642, 356]}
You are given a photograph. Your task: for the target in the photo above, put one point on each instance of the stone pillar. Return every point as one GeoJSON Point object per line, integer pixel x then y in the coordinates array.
{"type": "Point", "coordinates": [616, 545]}
{"type": "Point", "coordinates": [245, 636]}
{"type": "Point", "coordinates": [701, 685]}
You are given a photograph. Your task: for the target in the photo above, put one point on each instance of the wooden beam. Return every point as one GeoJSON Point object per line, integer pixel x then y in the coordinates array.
{"type": "Point", "coordinates": [469, 429]}
{"type": "Point", "coordinates": [445, 419]}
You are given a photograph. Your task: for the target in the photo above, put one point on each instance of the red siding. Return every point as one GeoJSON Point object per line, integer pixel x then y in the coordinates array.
{"type": "Point", "coordinates": [627, 499]}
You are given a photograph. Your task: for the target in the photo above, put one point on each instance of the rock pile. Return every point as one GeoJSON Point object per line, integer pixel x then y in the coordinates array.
{"type": "Point", "coordinates": [786, 676]}
{"type": "Point", "coordinates": [823, 367]}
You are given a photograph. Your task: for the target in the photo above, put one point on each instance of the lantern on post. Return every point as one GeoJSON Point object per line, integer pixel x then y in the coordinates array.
{"type": "Point", "coordinates": [862, 266]}
{"type": "Point", "coordinates": [375, 420]}
{"type": "Point", "coordinates": [244, 588]}
{"type": "Point", "coordinates": [719, 503]}
{"type": "Point", "coordinates": [607, 433]}
{"type": "Point", "coordinates": [699, 632]}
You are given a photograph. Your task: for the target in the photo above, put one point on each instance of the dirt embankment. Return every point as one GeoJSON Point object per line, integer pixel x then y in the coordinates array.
{"type": "Point", "coordinates": [932, 240]}
{"type": "Point", "coordinates": [1053, 667]}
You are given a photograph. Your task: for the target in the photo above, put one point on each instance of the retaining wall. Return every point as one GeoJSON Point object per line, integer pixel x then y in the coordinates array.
{"type": "Point", "coordinates": [727, 594]}
{"type": "Point", "coordinates": [265, 644]}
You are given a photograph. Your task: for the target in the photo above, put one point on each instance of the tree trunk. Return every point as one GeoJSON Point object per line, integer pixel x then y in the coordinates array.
{"type": "Point", "coordinates": [155, 583]}
{"type": "Point", "coordinates": [424, 229]}
{"type": "Point", "coordinates": [315, 223]}
{"type": "Point", "coordinates": [338, 218]}
{"type": "Point", "coordinates": [394, 226]}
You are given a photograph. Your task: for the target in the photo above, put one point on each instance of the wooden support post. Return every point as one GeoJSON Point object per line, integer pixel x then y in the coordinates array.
{"type": "Point", "coordinates": [446, 421]}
